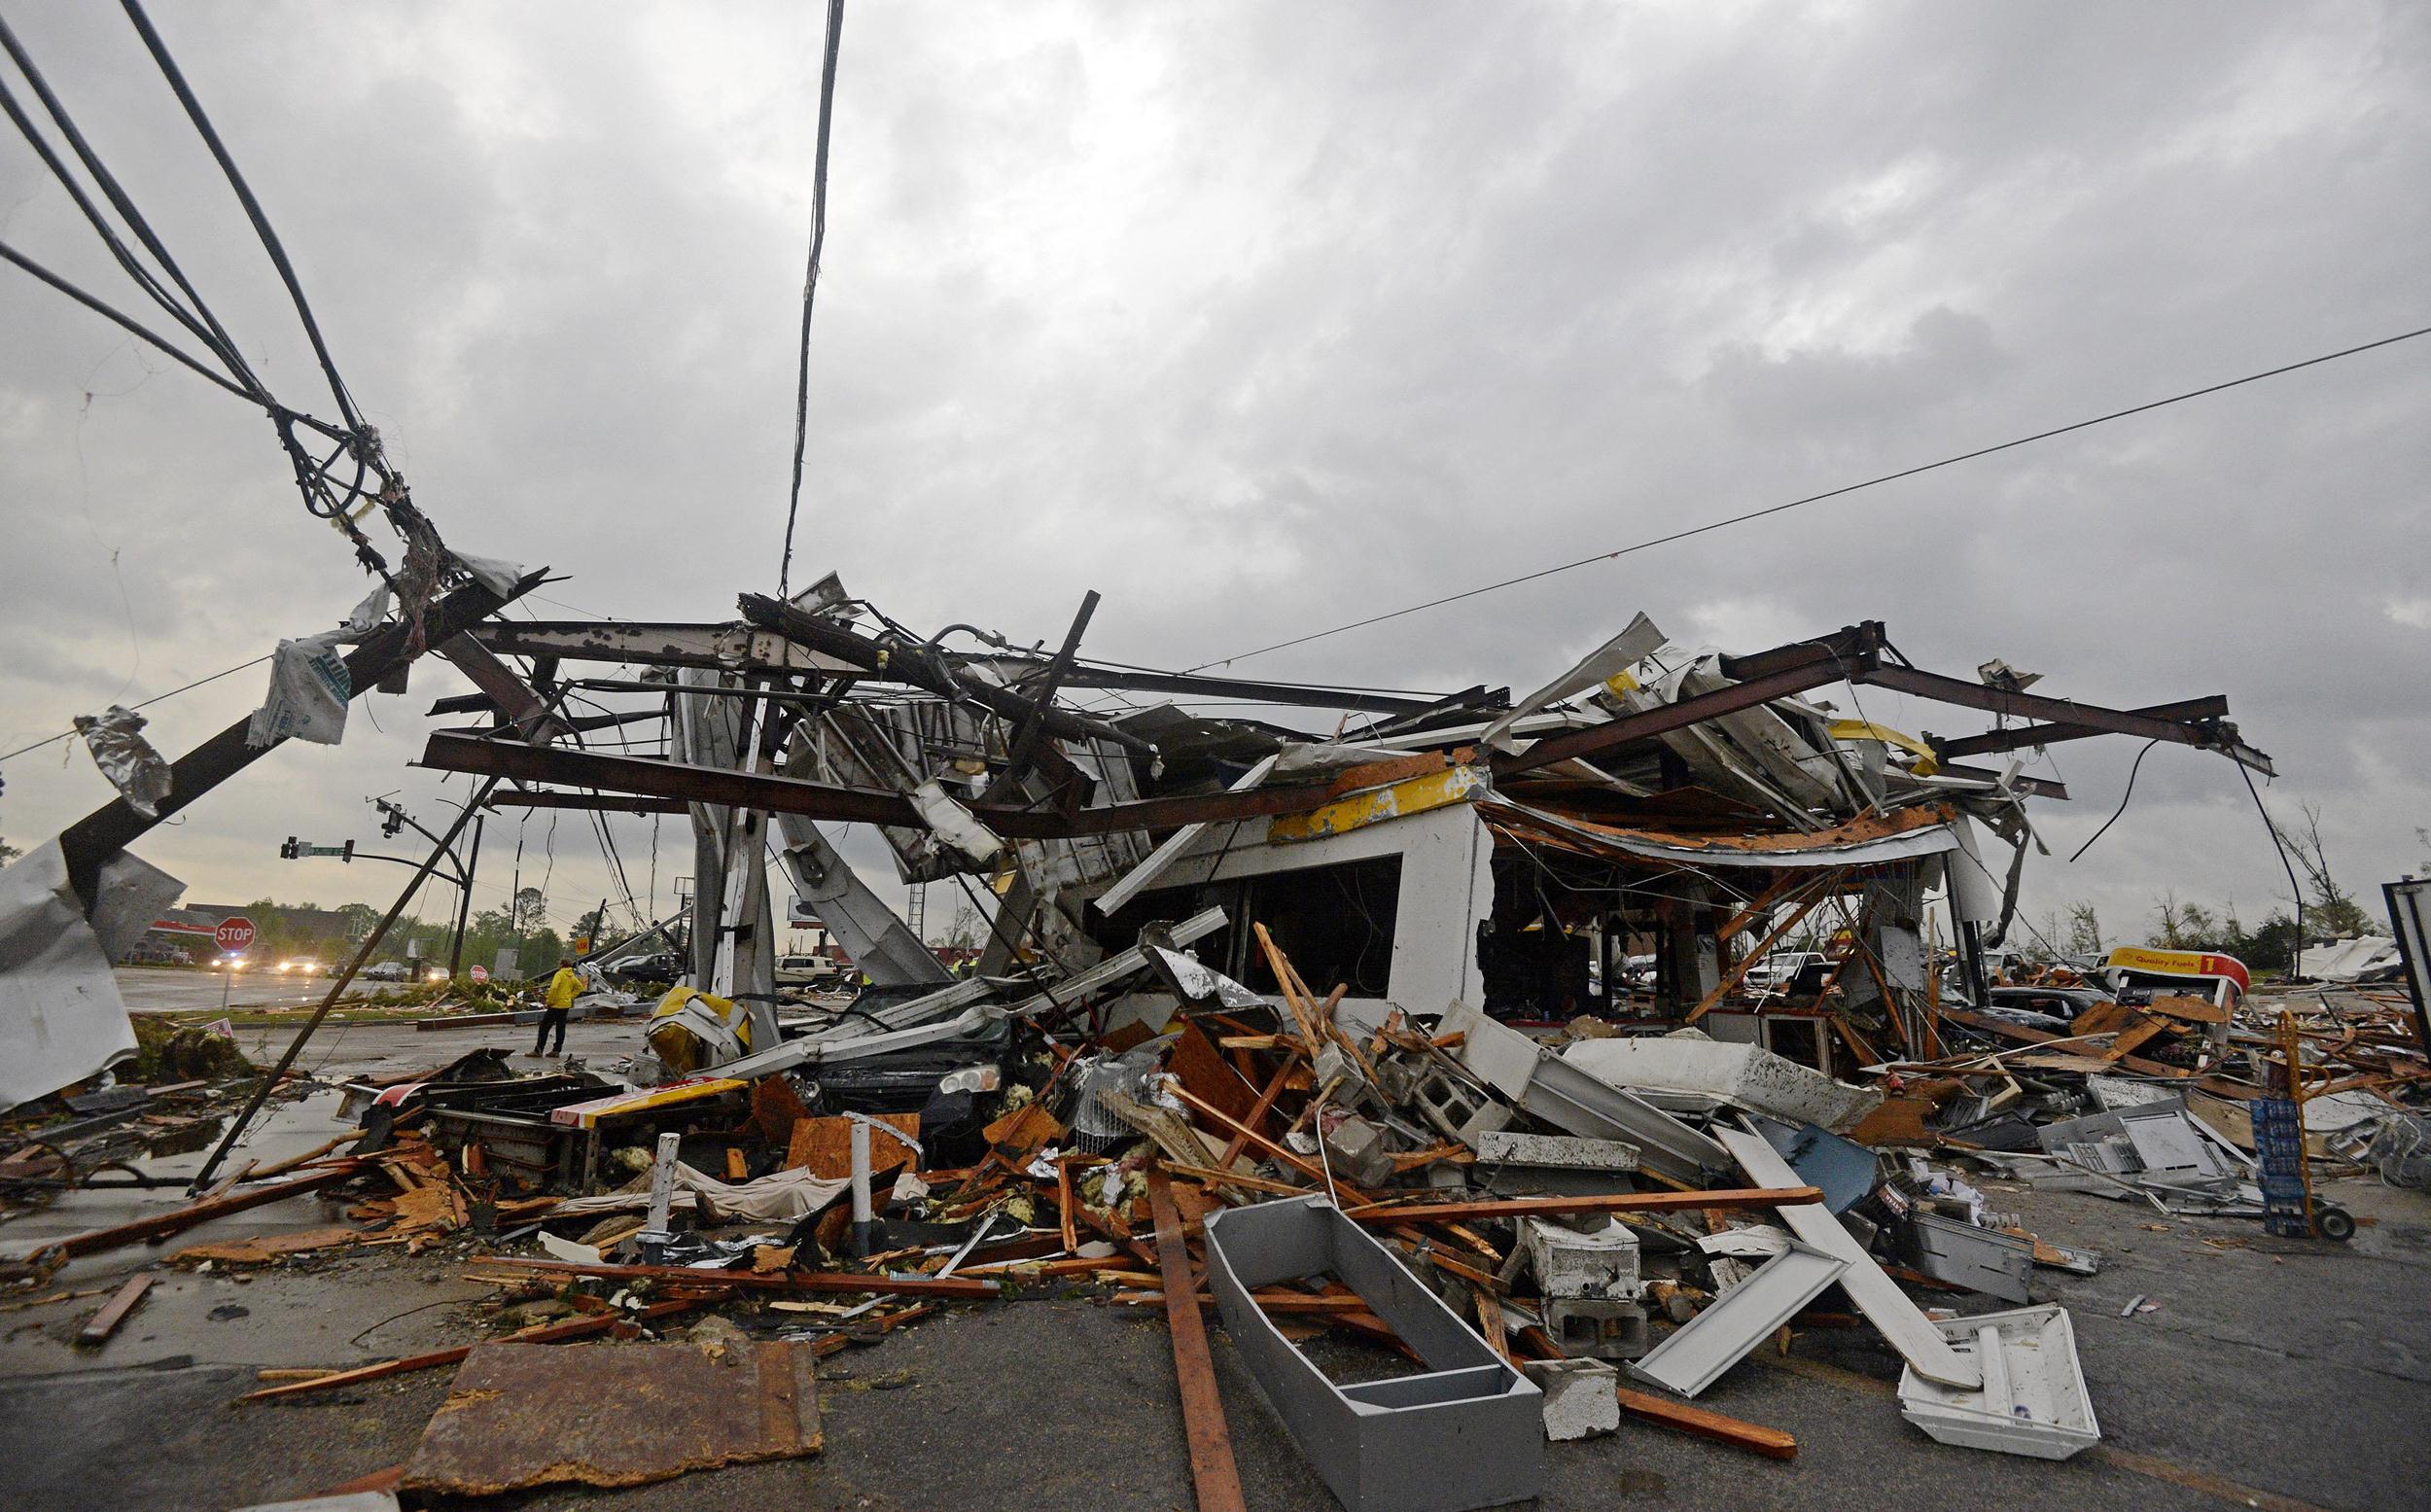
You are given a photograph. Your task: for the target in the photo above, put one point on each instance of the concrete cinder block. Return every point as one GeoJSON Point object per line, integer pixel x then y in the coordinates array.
{"type": "Point", "coordinates": [1592, 1328]}
{"type": "Point", "coordinates": [1582, 1399]}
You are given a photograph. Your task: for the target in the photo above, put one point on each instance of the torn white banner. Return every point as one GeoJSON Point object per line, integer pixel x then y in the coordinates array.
{"type": "Point", "coordinates": [309, 686]}
{"type": "Point", "coordinates": [139, 773]}
{"type": "Point", "coordinates": [366, 616]}
{"type": "Point", "coordinates": [62, 1018]}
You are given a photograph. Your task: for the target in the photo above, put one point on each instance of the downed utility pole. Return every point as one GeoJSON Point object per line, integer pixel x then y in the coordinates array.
{"type": "Point", "coordinates": [111, 829]}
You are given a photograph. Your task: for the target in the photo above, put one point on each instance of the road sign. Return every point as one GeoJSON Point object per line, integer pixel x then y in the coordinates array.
{"type": "Point", "coordinates": [479, 974]}
{"type": "Point", "coordinates": [234, 932]}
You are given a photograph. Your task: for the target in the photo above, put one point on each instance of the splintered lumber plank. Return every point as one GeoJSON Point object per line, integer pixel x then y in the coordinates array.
{"type": "Point", "coordinates": [281, 1168]}
{"type": "Point", "coordinates": [1212, 1472]}
{"type": "Point", "coordinates": [1829, 885]}
{"type": "Point", "coordinates": [386, 1367]}
{"type": "Point", "coordinates": [1076, 1265]}
{"type": "Point", "coordinates": [162, 1225]}
{"type": "Point", "coordinates": [1739, 1433]}
{"type": "Point", "coordinates": [1307, 1168]}
{"type": "Point", "coordinates": [547, 1333]}
{"type": "Point", "coordinates": [1213, 1176]}
{"type": "Point", "coordinates": [105, 1321]}
{"type": "Point", "coordinates": [1309, 1036]}
{"type": "Point", "coordinates": [1772, 1443]}
{"type": "Point", "coordinates": [1490, 1322]}
{"type": "Point", "coordinates": [1257, 1113]}
{"type": "Point", "coordinates": [1271, 1301]}
{"type": "Point", "coordinates": [884, 1322]}
{"type": "Point", "coordinates": [790, 1280]}
{"type": "Point", "coordinates": [1735, 1197]}
{"type": "Point", "coordinates": [2023, 1034]}
{"type": "Point", "coordinates": [1203, 1068]}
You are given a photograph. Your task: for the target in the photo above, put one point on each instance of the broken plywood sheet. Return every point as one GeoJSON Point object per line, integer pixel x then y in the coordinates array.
{"type": "Point", "coordinates": [823, 1146]}
{"type": "Point", "coordinates": [525, 1415]}
{"type": "Point", "coordinates": [265, 1250]}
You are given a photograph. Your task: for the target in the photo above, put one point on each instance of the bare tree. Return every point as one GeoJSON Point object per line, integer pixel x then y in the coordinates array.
{"type": "Point", "coordinates": [2047, 937]}
{"type": "Point", "coordinates": [2084, 929]}
{"type": "Point", "coordinates": [965, 929]}
{"type": "Point", "coordinates": [2169, 922]}
{"type": "Point", "coordinates": [2334, 910]}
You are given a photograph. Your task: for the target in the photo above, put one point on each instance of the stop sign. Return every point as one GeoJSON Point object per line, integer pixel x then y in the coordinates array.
{"type": "Point", "coordinates": [479, 974]}
{"type": "Point", "coordinates": [234, 932]}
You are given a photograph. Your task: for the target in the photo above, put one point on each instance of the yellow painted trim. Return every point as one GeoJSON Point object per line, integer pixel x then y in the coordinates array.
{"type": "Point", "coordinates": [659, 1097]}
{"type": "Point", "coordinates": [1395, 800]}
{"type": "Point", "coordinates": [1926, 764]}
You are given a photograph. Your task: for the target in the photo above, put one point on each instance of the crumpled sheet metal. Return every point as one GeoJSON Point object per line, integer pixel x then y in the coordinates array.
{"type": "Point", "coordinates": [62, 1018]}
{"type": "Point", "coordinates": [1203, 983]}
{"type": "Point", "coordinates": [1745, 1076]}
{"type": "Point", "coordinates": [139, 773]}
{"type": "Point", "coordinates": [525, 1415]}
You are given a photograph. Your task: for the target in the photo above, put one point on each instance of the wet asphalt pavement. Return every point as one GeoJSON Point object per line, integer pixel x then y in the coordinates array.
{"type": "Point", "coordinates": [2275, 1374]}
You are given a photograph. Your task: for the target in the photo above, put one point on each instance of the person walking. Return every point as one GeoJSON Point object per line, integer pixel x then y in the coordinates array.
{"type": "Point", "coordinates": [556, 1005]}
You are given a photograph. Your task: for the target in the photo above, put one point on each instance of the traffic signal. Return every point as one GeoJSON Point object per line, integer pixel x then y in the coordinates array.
{"type": "Point", "coordinates": [392, 820]}
{"type": "Point", "coordinates": [291, 850]}
{"type": "Point", "coordinates": [350, 852]}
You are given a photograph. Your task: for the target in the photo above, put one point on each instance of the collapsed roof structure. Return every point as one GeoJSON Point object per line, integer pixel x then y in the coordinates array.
{"type": "Point", "coordinates": [1462, 848]}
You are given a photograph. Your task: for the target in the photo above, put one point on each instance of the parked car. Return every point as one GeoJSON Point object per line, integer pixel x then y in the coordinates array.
{"type": "Point", "coordinates": [388, 971]}
{"type": "Point", "coordinates": [1789, 975]}
{"type": "Point", "coordinates": [814, 972]}
{"type": "Point", "coordinates": [2052, 1010]}
{"type": "Point", "coordinates": [663, 968]}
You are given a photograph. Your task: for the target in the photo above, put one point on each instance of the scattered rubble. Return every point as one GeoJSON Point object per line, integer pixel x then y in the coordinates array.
{"type": "Point", "coordinates": [1489, 1153]}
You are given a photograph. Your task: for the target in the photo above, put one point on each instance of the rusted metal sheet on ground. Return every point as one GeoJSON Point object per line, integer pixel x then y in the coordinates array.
{"type": "Point", "coordinates": [525, 1415]}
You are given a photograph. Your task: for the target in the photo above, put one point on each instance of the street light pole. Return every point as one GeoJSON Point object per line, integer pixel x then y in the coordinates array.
{"type": "Point", "coordinates": [395, 816]}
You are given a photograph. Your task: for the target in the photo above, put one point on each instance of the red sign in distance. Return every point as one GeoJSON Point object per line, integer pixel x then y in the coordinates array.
{"type": "Point", "coordinates": [479, 974]}
{"type": "Point", "coordinates": [234, 932]}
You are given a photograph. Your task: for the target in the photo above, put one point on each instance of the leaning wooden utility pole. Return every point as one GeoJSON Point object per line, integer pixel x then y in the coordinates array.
{"type": "Point", "coordinates": [371, 943]}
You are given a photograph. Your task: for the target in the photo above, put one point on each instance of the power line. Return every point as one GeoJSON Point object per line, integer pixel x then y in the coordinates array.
{"type": "Point", "coordinates": [326, 495]}
{"type": "Point", "coordinates": [146, 704]}
{"type": "Point", "coordinates": [810, 281]}
{"type": "Point", "coordinates": [1757, 514]}
{"type": "Point", "coordinates": [200, 320]}
{"type": "Point", "coordinates": [253, 208]}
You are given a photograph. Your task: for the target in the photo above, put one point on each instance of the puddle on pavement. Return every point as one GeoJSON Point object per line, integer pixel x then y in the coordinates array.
{"type": "Point", "coordinates": [284, 1129]}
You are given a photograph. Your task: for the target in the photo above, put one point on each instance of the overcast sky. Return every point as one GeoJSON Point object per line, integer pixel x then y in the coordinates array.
{"type": "Point", "coordinates": [1258, 319]}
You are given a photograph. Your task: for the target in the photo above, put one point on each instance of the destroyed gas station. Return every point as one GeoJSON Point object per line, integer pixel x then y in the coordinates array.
{"type": "Point", "coordinates": [1627, 1087]}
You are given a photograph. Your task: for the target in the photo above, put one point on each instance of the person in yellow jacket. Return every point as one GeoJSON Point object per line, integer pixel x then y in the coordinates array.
{"type": "Point", "coordinates": [563, 989]}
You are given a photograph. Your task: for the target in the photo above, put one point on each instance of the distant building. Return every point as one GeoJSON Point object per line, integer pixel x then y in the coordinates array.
{"type": "Point", "coordinates": [299, 928]}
